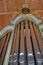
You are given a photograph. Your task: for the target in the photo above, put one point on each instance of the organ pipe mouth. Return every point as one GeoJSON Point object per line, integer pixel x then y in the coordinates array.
{"type": "Point", "coordinates": [25, 10]}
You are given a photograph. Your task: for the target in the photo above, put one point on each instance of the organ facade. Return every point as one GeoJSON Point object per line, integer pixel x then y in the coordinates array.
{"type": "Point", "coordinates": [21, 32]}
{"type": "Point", "coordinates": [21, 42]}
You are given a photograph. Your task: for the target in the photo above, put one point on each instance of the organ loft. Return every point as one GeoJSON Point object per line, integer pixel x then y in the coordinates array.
{"type": "Point", "coordinates": [21, 32]}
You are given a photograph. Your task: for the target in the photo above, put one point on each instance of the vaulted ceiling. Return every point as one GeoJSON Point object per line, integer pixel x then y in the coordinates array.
{"type": "Point", "coordinates": [9, 7]}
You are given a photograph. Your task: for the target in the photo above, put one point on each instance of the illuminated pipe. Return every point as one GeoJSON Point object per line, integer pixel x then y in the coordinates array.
{"type": "Point", "coordinates": [40, 41]}
{"type": "Point", "coordinates": [6, 60]}
{"type": "Point", "coordinates": [36, 49]}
